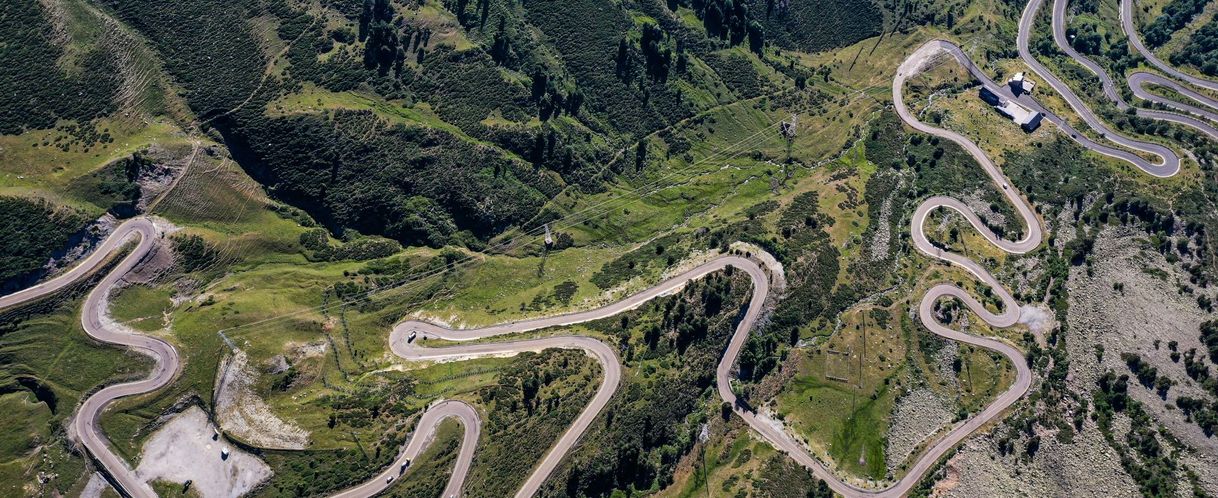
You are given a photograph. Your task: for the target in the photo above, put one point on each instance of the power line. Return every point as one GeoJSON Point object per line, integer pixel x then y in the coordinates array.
{"type": "Point", "coordinates": [537, 232]}
{"type": "Point", "coordinates": [528, 236]}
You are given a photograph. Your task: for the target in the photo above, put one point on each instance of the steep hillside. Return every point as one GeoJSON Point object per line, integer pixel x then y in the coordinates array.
{"type": "Point", "coordinates": [461, 119]}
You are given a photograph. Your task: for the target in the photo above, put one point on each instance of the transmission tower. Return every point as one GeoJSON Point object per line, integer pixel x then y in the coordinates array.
{"type": "Point", "coordinates": [788, 128]}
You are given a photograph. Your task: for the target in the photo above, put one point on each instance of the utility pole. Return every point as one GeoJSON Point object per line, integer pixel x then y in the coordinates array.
{"type": "Point", "coordinates": [788, 126]}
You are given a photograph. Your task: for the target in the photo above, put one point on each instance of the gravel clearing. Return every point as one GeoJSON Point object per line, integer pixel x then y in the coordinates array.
{"type": "Point", "coordinates": [1037, 318]}
{"type": "Point", "coordinates": [184, 449]}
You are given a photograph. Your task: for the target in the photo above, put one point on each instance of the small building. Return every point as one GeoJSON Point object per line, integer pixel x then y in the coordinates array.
{"type": "Point", "coordinates": [1027, 119]}
{"type": "Point", "coordinates": [1032, 123]}
{"type": "Point", "coordinates": [1021, 84]}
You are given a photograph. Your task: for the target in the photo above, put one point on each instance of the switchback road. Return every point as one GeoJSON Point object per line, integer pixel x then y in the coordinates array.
{"type": "Point", "coordinates": [1131, 32]}
{"type": "Point", "coordinates": [84, 426]}
{"type": "Point", "coordinates": [414, 350]}
{"type": "Point", "coordinates": [1137, 82]}
{"type": "Point", "coordinates": [423, 436]}
{"type": "Point", "coordinates": [1169, 162]}
{"type": "Point", "coordinates": [168, 363]}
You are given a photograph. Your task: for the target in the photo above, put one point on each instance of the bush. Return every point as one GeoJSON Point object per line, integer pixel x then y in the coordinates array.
{"type": "Point", "coordinates": [114, 186]}
{"type": "Point", "coordinates": [1176, 15]}
{"type": "Point", "coordinates": [412, 184]}
{"type": "Point", "coordinates": [1201, 51]}
{"type": "Point", "coordinates": [636, 262]}
{"type": "Point", "coordinates": [193, 252]}
{"type": "Point", "coordinates": [206, 46]}
{"type": "Point", "coordinates": [1209, 337]}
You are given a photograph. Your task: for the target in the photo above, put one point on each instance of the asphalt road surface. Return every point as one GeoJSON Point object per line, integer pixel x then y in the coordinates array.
{"type": "Point", "coordinates": [948, 49]}
{"type": "Point", "coordinates": [1131, 32]}
{"type": "Point", "coordinates": [85, 428]}
{"type": "Point", "coordinates": [1138, 82]}
{"type": "Point", "coordinates": [168, 363]}
{"type": "Point", "coordinates": [424, 435]}
{"type": "Point", "coordinates": [424, 331]}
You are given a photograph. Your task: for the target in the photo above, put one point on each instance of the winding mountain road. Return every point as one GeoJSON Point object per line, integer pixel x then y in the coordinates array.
{"type": "Point", "coordinates": [84, 426]}
{"type": "Point", "coordinates": [423, 436]}
{"type": "Point", "coordinates": [1169, 162]}
{"type": "Point", "coordinates": [1137, 82]}
{"type": "Point", "coordinates": [168, 363]}
{"type": "Point", "coordinates": [766, 427]}
{"type": "Point", "coordinates": [1131, 32]}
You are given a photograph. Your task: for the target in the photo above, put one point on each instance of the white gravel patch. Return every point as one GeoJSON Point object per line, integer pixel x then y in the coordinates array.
{"type": "Point", "coordinates": [184, 449]}
{"type": "Point", "coordinates": [878, 249]}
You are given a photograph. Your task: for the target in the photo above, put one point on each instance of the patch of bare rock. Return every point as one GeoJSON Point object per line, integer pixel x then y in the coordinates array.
{"type": "Point", "coordinates": [245, 415]}
{"type": "Point", "coordinates": [1086, 467]}
{"type": "Point", "coordinates": [917, 415]}
{"type": "Point", "coordinates": [1132, 303]}
{"type": "Point", "coordinates": [188, 448]}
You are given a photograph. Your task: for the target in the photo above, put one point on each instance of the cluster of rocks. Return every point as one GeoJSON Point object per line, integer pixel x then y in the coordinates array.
{"type": "Point", "coordinates": [918, 414]}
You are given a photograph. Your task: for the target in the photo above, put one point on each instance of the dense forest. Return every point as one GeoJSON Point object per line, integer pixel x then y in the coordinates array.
{"type": "Point", "coordinates": [816, 26]}
{"type": "Point", "coordinates": [38, 89]}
